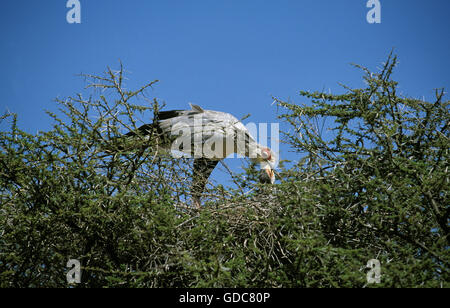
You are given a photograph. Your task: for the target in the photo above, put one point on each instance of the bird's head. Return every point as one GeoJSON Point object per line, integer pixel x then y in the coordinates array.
{"type": "Point", "coordinates": [267, 159]}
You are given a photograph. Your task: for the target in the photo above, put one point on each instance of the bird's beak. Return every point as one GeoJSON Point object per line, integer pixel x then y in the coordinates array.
{"type": "Point", "coordinates": [270, 173]}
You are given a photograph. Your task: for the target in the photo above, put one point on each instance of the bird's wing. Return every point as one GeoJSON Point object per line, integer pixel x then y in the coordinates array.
{"type": "Point", "coordinates": [202, 125]}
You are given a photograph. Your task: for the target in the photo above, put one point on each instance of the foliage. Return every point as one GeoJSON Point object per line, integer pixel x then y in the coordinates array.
{"type": "Point", "coordinates": [374, 186]}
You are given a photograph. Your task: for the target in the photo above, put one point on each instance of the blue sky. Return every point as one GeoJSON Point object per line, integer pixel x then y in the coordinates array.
{"type": "Point", "coordinates": [224, 54]}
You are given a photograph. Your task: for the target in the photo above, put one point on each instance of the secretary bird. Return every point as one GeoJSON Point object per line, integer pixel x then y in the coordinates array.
{"type": "Point", "coordinates": [208, 136]}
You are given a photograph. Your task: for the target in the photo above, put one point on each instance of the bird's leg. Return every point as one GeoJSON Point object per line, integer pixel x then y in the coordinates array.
{"type": "Point", "coordinates": [203, 168]}
{"type": "Point", "coordinates": [196, 202]}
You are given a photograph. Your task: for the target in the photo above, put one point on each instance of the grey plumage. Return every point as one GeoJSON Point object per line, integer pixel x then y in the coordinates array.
{"type": "Point", "coordinates": [209, 136]}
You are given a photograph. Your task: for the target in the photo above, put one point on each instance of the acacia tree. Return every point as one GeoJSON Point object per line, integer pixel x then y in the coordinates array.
{"type": "Point", "coordinates": [375, 186]}
{"type": "Point", "coordinates": [78, 191]}
{"type": "Point", "coordinates": [379, 174]}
